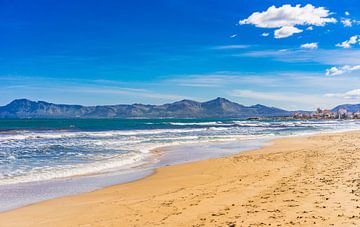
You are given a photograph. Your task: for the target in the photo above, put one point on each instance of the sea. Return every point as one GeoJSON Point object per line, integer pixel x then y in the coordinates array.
{"type": "Point", "coordinates": [42, 159]}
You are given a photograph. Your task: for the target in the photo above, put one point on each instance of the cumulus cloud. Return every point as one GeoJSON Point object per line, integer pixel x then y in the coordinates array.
{"type": "Point", "coordinates": [341, 70]}
{"type": "Point", "coordinates": [346, 22]}
{"type": "Point", "coordinates": [310, 28]}
{"type": "Point", "coordinates": [347, 13]}
{"type": "Point", "coordinates": [286, 17]}
{"type": "Point", "coordinates": [348, 43]}
{"type": "Point", "coordinates": [286, 31]}
{"type": "Point", "coordinates": [233, 36]}
{"type": "Point", "coordinates": [265, 34]}
{"type": "Point", "coordinates": [309, 46]}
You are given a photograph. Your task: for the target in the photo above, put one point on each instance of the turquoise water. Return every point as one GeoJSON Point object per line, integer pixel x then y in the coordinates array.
{"type": "Point", "coordinates": [106, 124]}
{"type": "Point", "coordinates": [35, 150]}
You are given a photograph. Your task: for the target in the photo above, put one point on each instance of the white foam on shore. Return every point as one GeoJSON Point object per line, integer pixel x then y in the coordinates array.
{"type": "Point", "coordinates": [113, 162]}
{"type": "Point", "coordinates": [49, 172]}
{"type": "Point", "coordinates": [27, 192]}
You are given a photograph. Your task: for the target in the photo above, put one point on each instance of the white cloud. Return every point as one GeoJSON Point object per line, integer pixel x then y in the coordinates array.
{"type": "Point", "coordinates": [265, 34]}
{"type": "Point", "coordinates": [347, 13]}
{"type": "Point", "coordinates": [346, 22]}
{"type": "Point", "coordinates": [310, 28]}
{"type": "Point", "coordinates": [287, 17]}
{"type": "Point", "coordinates": [349, 22]}
{"type": "Point", "coordinates": [309, 46]}
{"type": "Point", "coordinates": [348, 43]}
{"type": "Point", "coordinates": [233, 36]}
{"type": "Point", "coordinates": [352, 94]}
{"type": "Point", "coordinates": [227, 47]}
{"type": "Point", "coordinates": [286, 31]}
{"type": "Point", "coordinates": [341, 70]}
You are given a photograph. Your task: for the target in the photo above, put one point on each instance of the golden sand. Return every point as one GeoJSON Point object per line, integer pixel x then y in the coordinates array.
{"type": "Point", "coordinates": [296, 181]}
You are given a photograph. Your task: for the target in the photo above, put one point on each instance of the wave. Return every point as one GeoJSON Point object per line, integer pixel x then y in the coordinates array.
{"type": "Point", "coordinates": [55, 172]}
{"type": "Point", "coordinates": [241, 124]}
{"type": "Point", "coordinates": [200, 124]}
{"type": "Point", "coordinates": [62, 134]}
{"type": "Point", "coordinates": [102, 162]}
{"type": "Point", "coordinates": [42, 155]}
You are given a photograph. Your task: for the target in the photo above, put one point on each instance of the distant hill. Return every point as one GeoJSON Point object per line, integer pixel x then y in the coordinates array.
{"type": "Point", "coordinates": [217, 108]}
{"type": "Point", "coordinates": [348, 107]}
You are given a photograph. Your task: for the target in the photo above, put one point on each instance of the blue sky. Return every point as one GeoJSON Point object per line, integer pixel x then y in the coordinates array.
{"type": "Point", "coordinates": [289, 54]}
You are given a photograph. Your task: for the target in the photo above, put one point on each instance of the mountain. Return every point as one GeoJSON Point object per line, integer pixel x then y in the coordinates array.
{"type": "Point", "coordinates": [348, 107]}
{"type": "Point", "coordinates": [217, 108]}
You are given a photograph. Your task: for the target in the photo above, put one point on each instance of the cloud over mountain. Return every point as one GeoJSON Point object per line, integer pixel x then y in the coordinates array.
{"type": "Point", "coordinates": [341, 70]}
{"type": "Point", "coordinates": [352, 94]}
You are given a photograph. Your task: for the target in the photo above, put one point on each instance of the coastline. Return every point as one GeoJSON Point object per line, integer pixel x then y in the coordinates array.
{"type": "Point", "coordinates": [26, 193]}
{"type": "Point", "coordinates": [296, 180]}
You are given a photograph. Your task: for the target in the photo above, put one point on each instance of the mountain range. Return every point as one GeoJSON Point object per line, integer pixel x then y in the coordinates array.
{"type": "Point", "coordinates": [217, 108]}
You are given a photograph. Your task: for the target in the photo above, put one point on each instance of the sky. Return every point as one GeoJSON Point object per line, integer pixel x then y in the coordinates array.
{"type": "Point", "coordinates": [288, 54]}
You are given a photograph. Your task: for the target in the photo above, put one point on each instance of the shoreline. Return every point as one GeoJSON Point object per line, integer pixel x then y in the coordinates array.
{"type": "Point", "coordinates": [78, 184]}
{"type": "Point", "coordinates": [299, 180]}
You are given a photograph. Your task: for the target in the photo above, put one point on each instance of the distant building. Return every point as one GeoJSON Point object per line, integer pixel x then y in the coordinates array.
{"type": "Point", "coordinates": [327, 114]}
{"type": "Point", "coordinates": [356, 115]}
{"type": "Point", "coordinates": [342, 114]}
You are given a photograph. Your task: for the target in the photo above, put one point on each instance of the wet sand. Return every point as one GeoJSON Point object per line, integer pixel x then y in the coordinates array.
{"type": "Point", "coordinates": [296, 181]}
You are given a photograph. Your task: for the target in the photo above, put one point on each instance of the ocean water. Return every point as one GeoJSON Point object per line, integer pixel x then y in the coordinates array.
{"type": "Point", "coordinates": [42, 159]}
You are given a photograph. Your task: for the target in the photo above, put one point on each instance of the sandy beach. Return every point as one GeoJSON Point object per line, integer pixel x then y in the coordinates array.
{"type": "Point", "coordinates": [295, 181]}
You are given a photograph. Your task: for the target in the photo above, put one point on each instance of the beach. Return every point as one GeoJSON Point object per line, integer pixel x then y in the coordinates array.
{"type": "Point", "coordinates": [313, 180]}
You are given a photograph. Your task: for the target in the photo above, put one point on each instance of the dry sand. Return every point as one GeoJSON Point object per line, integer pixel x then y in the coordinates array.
{"type": "Point", "coordinates": [296, 181]}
